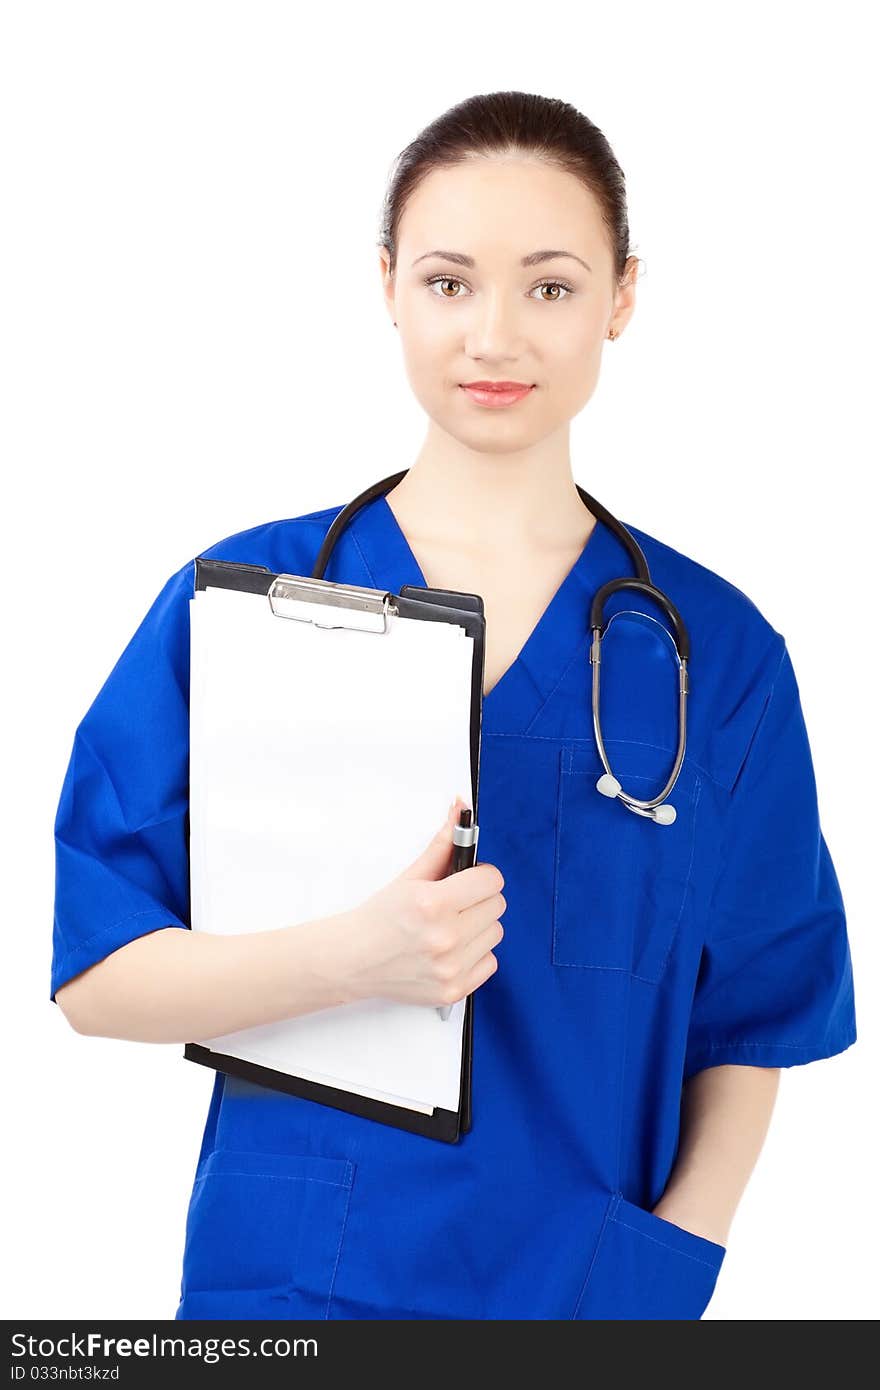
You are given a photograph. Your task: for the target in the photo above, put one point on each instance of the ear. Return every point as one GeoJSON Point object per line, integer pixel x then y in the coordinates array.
{"type": "Point", "coordinates": [387, 281]}
{"type": "Point", "coordinates": [625, 299]}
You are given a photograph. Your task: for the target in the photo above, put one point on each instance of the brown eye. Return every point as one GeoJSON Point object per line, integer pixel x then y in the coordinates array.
{"type": "Point", "coordinates": [443, 281]}
{"type": "Point", "coordinates": [557, 285]}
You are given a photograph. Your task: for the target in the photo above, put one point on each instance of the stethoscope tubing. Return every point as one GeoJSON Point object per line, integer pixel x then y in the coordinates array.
{"type": "Point", "coordinates": [655, 807]}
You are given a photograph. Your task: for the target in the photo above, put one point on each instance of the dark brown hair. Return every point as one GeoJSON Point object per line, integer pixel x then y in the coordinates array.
{"type": "Point", "coordinates": [511, 123]}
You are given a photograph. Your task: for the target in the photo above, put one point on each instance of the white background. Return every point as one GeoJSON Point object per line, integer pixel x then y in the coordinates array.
{"type": "Point", "coordinates": [194, 342]}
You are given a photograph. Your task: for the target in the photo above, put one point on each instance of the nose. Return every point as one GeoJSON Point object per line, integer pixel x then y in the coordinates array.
{"type": "Point", "coordinates": [494, 332]}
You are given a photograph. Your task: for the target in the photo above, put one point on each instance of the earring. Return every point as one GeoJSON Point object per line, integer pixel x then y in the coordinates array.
{"type": "Point", "coordinates": [612, 335]}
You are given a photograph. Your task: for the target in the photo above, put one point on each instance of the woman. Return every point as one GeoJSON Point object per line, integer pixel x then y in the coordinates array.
{"type": "Point", "coordinates": [652, 980]}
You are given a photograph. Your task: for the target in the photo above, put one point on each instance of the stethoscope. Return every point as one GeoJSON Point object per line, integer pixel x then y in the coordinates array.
{"type": "Point", "coordinates": [656, 807]}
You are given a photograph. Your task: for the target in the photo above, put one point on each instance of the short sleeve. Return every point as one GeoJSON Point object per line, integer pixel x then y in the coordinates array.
{"type": "Point", "coordinates": [775, 983]}
{"type": "Point", "coordinates": [121, 828]}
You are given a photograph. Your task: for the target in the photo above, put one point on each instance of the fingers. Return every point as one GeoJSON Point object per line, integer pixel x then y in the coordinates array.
{"type": "Point", "coordinates": [470, 886]}
{"type": "Point", "coordinates": [480, 974]}
{"type": "Point", "coordinates": [482, 932]}
{"type": "Point", "coordinates": [484, 941]}
{"type": "Point", "coordinates": [434, 860]}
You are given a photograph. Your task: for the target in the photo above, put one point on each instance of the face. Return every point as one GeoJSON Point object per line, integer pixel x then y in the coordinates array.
{"type": "Point", "coordinates": [495, 319]}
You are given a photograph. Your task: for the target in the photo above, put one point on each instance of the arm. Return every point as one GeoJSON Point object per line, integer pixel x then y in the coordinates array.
{"type": "Point", "coordinates": [176, 985]}
{"type": "Point", "coordinates": [775, 982]}
{"type": "Point", "coordinates": [725, 1115]}
{"type": "Point", "coordinates": [424, 938]}
{"type": "Point", "coordinates": [124, 962]}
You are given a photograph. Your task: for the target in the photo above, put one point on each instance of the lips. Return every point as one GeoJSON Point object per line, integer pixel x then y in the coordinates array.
{"type": "Point", "coordinates": [496, 393]}
{"type": "Point", "coordinates": [496, 385]}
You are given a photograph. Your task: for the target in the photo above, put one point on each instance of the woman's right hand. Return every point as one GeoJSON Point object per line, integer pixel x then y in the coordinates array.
{"type": "Point", "coordinates": [427, 936]}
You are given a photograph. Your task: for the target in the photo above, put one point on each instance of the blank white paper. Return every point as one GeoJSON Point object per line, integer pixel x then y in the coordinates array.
{"type": "Point", "coordinates": [322, 760]}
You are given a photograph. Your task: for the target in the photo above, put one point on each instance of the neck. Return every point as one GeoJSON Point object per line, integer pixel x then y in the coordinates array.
{"type": "Point", "coordinates": [477, 501]}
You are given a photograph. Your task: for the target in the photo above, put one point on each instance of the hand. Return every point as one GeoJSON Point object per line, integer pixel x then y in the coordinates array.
{"type": "Point", "coordinates": [703, 1224]}
{"type": "Point", "coordinates": [427, 936]}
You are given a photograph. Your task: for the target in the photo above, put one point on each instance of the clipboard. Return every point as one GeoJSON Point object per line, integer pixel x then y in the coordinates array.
{"type": "Point", "coordinates": [319, 601]}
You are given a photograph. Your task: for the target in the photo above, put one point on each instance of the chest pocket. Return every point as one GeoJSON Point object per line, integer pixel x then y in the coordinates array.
{"type": "Point", "coordinates": [621, 880]}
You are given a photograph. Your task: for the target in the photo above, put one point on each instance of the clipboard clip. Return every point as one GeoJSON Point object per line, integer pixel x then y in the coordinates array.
{"type": "Point", "coordinates": [295, 596]}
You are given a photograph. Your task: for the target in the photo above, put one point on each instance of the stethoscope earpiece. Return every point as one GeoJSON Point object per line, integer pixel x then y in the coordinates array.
{"type": "Point", "coordinates": [608, 785]}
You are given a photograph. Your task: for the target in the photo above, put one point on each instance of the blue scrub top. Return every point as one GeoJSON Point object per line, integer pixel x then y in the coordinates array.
{"type": "Point", "coordinates": [634, 955]}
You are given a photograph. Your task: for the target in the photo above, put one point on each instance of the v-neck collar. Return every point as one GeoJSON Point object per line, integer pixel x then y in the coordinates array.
{"type": "Point", "coordinates": [560, 635]}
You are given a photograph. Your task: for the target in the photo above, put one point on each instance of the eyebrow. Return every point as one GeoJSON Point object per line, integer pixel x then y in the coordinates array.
{"type": "Point", "coordinates": [535, 258]}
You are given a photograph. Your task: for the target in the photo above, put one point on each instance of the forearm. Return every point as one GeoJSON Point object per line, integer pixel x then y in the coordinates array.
{"type": "Point", "coordinates": [725, 1115]}
{"type": "Point", "coordinates": [174, 985]}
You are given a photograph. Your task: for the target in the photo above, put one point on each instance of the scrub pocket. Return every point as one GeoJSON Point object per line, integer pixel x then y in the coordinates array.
{"type": "Point", "coordinates": [264, 1233]}
{"type": "Point", "coordinates": [648, 1268]}
{"type": "Point", "coordinates": [621, 880]}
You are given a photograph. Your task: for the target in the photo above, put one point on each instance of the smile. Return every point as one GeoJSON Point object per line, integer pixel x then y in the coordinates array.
{"type": "Point", "coordinates": [496, 396]}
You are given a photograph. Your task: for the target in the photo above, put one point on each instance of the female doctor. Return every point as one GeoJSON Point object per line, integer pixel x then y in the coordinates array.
{"type": "Point", "coordinates": [650, 978]}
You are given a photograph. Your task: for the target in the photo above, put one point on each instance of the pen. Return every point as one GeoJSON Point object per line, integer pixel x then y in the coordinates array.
{"type": "Point", "coordinates": [464, 852]}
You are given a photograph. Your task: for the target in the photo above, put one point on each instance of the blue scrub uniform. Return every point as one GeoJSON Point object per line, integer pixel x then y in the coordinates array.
{"type": "Point", "coordinates": [634, 954]}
